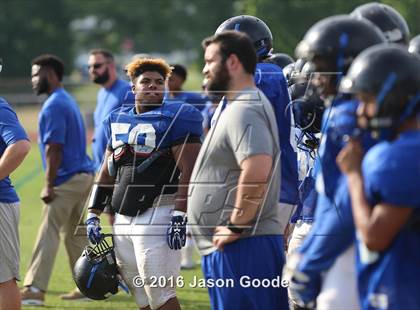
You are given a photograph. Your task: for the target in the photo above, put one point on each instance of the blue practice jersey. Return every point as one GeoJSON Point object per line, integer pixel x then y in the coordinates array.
{"type": "Point", "coordinates": [391, 279]}
{"type": "Point", "coordinates": [10, 132]}
{"type": "Point", "coordinates": [61, 122]}
{"type": "Point", "coordinates": [338, 120]}
{"type": "Point", "coordinates": [270, 80]}
{"type": "Point", "coordinates": [307, 194]}
{"type": "Point", "coordinates": [333, 229]}
{"type": "Point", "coordinates": [136, 137]}
{"type": "Point", "coordinates": [108, 99]}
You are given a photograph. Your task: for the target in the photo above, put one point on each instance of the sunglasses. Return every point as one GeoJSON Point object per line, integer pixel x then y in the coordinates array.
{"type": "Point", "coordinates": [96, 66]}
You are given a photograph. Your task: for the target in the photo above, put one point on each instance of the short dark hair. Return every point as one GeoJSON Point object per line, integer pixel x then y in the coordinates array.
{"type": "Point", "coordinates": [179, 70]}
{"type": "Point", "coordinates": [51, 62]}
{"type": "Point", "coordinates": [238, 43]}
{"type": "Point", "coordinates": [107, 54]}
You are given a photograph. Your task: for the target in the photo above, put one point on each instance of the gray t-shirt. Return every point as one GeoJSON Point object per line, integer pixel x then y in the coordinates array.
{"type": "Point", "coordinates": [246, 127]}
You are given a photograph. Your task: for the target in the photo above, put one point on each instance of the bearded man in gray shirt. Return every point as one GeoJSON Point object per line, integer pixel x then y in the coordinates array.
{"type": "Point", "coordinates": [234, 189]}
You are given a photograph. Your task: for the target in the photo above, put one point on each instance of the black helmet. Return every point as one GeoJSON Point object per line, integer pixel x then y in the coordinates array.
{"type": "Point", "coordinates": [387, 19]}
{"type": "Point", "coordinates": [392, 74]}
{"type": "Point", "coordinates": [255, 28]}
{"type": "Point", "coordinates": [338, 39]}
{"type": "Point", "coordinates": [292, 72]}
{"type": "Point", "coordinates": [414, 46]}
{"type": "Point", "coordinates": [307, 107]}
{"type": "Point", "coordinates": [280, 59]}
{"type": "Point", "coordinates": [96, 273]}
{"type": "Point", "coordinates": [287, 72]}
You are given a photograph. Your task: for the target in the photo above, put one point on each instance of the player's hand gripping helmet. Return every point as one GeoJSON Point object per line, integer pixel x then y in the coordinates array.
{"type": "Point", "coordinates": [414, 46]}
{"type": "Point", "coordinates": [255, 28]}
{"type": "Point", "coordinates": [280, 59]}
{"type": "Point", "coordinates": [96, 273]}
{"type": "Point", "coordinates": [391, 74]}
{"type": "Point", "coordinates": [387, 19]}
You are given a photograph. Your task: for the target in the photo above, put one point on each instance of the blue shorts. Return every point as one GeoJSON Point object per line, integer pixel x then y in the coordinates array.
{"type": "Point", "coordinates": [247, 274]}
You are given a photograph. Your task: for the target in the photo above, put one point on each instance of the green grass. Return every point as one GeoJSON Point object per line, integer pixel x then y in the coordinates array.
{"type": "Point", "coordinates": [29, 180]}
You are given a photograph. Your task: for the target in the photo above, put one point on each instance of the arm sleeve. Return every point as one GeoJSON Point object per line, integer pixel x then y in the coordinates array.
{"type": "Point", "coordinates": [11, 130]}
{"type": "Point", "coordinates": [53, 125]}
{"type": "Point", "coordinates": [249, 133]}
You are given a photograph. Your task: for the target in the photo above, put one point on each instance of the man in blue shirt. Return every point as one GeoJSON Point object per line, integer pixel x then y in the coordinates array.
{"type": "Point", "coordinates": [68, 177]}
{"type": "Point", "coordinates": [14, 146]}
{"type": "Point", "coordinates": [113, 94]}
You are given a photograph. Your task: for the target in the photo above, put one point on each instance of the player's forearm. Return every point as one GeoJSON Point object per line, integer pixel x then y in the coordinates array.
{"type": "Point", "coordinates": [360, 206]}
{"type": "Point", "coordinates": [53, 159]}
{"type": "Point", "coordinates": [13, 157]}
{"type": "Point", "coordinates": [182, 193]}
{"type": "Point", "coordinates": [249, 198]}
{"type": "Point", "coordinates": [102, 190]}
{"type": "Point", "coordinates": [185, 155]}
{"type": "Point", "coordinates": [252, 187]}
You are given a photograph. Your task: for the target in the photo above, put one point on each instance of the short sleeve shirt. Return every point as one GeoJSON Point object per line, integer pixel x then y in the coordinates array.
{"type": "Point", "coordinates": [247, 127]}
{"type": "Point", "coordinates": [10, 132]}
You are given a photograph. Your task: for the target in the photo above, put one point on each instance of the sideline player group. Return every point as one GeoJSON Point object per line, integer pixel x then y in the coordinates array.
{"type": "Point", "coordinates": [309, 169]}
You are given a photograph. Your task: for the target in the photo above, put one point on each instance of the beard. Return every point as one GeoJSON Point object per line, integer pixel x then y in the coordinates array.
{"type": "Point", "coordinates": [220, 83]}
{"type": "Point", "coordinates": [42, 87]}
{"type": "Point", "coordinates": [102, 79]}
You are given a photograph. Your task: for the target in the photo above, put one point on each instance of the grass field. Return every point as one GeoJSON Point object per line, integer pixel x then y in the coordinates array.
{"type": "Point", "coordinates": [28, 180]}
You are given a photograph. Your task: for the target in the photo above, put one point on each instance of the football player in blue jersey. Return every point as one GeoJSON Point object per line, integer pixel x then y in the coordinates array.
{"type": "Point", "coordinates": [323, 265]}
{"type": "Point", "coordinates": [149, 159]}
{"type": "Point", "coordinates": [270, 80]}
{"type": "Point", "coordinates": [14, 146]}
{"type": "Point", "coordinates": [307, 111]}
{"type": "Point", "coordinates": [384, 183]}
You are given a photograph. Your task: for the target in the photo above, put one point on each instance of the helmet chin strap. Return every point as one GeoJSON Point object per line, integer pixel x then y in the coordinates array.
{"type": "Point", "coordinates": [412, 104]}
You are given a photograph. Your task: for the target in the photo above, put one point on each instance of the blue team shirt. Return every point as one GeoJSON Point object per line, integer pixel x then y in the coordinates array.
{"type": "Point", "coordinates": [391, 279]}
{"type": "Point", "coordinates": [333, 229]}
{"type": "Point", "coordinates": [270, 80]}
{"type": "Point", "coordinates": [195, 99]}
{"type": "Point", "coordinates": [60, 121]}
{"type": "Point", "coordinates": [10, 132]}
{"type": "Point", "coordinates": [159, 128]}
{"type": "Point", "coordinates": [108, 99]}
{"type": "Point", "coordinates": [307, 194]}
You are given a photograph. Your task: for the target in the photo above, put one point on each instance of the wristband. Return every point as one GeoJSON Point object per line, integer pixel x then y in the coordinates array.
{"type": "Point", "coordinates": [234, 229]}
{"type": "Point", "coordinates": [100, 196]}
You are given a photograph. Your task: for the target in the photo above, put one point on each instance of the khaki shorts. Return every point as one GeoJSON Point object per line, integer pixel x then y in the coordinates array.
{"type": "Point", "coordinates": [9, 241]}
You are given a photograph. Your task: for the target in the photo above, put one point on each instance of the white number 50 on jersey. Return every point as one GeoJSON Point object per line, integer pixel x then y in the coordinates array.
{"type": "Point", "coordinates": [132, 139]}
